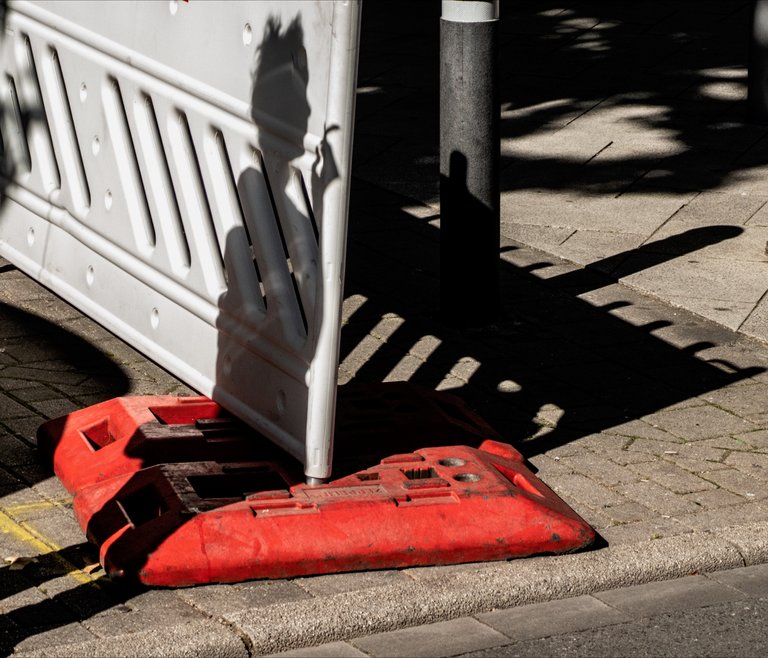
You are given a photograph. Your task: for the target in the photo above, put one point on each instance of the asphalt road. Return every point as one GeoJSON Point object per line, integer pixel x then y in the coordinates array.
{"type": "Point", "coordinates": [721, 613]}
{"type": "Point", "coordinates": [738, 628]}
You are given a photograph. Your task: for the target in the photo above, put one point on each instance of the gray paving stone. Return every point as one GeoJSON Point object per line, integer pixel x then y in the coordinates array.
{"type": "Point", "coordinates": [586, 490]}
{"type": "Point", "coordinates": [11, 546]}
{"type": "Point", "coordinates": [700, 451]}
{"type": "Point", "coordinates": [715, 498]}
{"type": "Point", "coordinates": [746, 401]}
{"type": "Point", "coordinates": [55, 637]}
{"type": "Point", "coordinates": [657, 498]}
{"type": "Point", "coordinates": [738, 482]}
{"type": "Point", "coordinates": [26, 427]}
{"type": "Point", "coordinates": [755, 323]}
{"type": "Point", "coordinates": [44, 484]}
{"type": "Point", "coordinates": [625, 457]}
{"type": "Point", "coordinates": [711, 204]}
{"type": "Point", "coordinates": [726, 517]}
{"type": "Point", "coordinates": [598, 519]}
{"type": "Point", "coordinates": [446, 571]}
{"type": "Point", "coordinates": [640, 429]}
{"type": "Point", "coordinates": [629, 512]}
{"type": "Point", "coordinates": [745, 246]}
{"type": "Point", "coordinates": [668, 596]}
{"type": "Point", "coordinates": [441, 639]}
{"type": "Point", "coordinates": [36, 393]}
{"type": "Point", "coordinates": [757, 439]}
{"type": "Point", "coordinates": [552, 618]}
{"type": "Point", "coordinates": [697, 423]}
{"type": "Point", "coordinates": [694, 465]}
{"type": "Point", "coordinates": [541, 237]}
{"type": "Point", "coordinates": [585, 246]}
{"type": "Point", "coordinates": [684, 278]}
{"type": "Point", "coordinates": [10, 408]}
{"type": "Point", "coordinates": [154, 610]}
{"type": "Point", "coordinates": [601, 470]}
{"type": "Point", "coordinates": [183, 640]}
{"type": "Point", "coordinates": [760, 419]}
{"type": "Point", "coordinates": [8, 479]}
{"type": "Point", "coordinates": [59, 527]}
{"type": "Point", "coordinates": [603, 442]}
{"type": "Point", "coordinates": [727, 443]}
{"type": "Point", "coordinates": [754, 465]}
{"type": "Point", "coordinates": [31, 610]}
{"type": "Point", "coordinates": [751, 580]}
{"type": "Point", "coordinates": [43, 376]}
{"type": "Point", "coordinates": [737, 354]}
{"type": "Point", "coordinates": [54, 408]}
{"type": "Point", "coordinates": [687, 332]}
{"type": "Point", "coordinates": [751, 541]}
{"type": "Point", "coordinates": [640, 212]}
{"type": "Point", "coordinates": [638, 534]}
{"type": "Point", "coordinates": [671, 477]}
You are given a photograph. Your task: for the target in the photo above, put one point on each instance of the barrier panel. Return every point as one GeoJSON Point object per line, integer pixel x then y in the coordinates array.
{"type": "Point", "coordinates": [179, 171]}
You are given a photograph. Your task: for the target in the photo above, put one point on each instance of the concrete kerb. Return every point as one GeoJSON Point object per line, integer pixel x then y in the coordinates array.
{"type": "Point", "coordinates": [437, 595]}
{"type": "Point", "coordinates": [451, 593]}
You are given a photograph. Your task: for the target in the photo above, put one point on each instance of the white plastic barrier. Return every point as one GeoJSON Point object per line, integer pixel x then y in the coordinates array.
{"type": "Point", "coordinates": [179, 171]}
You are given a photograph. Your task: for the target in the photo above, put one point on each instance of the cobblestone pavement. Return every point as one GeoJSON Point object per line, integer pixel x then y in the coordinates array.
{"type": "Point", "coordinates": [650, 420]}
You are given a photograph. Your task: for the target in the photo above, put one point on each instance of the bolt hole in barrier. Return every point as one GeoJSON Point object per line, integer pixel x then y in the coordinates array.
{"type": "Point", "coordinates": [452, 462]}
{"type": "Point", "coordinates": [168, 190]}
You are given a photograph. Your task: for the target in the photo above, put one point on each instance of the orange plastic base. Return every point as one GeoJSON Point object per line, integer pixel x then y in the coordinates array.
{"type": "Point", "coordinates": [235, 516]}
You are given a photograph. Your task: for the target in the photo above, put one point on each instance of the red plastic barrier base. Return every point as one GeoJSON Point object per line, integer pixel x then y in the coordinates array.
{"type": "Point", "coordinates": [183, 524]}
{"type": "Point", "coordinates": [235, 516]}
{"type": "Point", "coordinates": [125, 435]}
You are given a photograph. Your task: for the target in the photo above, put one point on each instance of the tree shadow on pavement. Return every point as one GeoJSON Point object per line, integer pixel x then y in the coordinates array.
{"type": "Point", "coordinates": [677, 75]}
{"type": "Point", "coordinates": [75, 596]}
{"type": "Point", "coordinates": [550, 350]}
{"type": "Point", "coordinates": [562, 363]}
{"type": "Point", "coordinates": [45, 370]}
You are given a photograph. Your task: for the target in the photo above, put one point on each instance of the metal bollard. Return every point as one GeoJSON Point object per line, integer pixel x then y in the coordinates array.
{"type": "Point", "coordinates": [469, 162]}
{"type": "Point", "coordinates": [757, 99]}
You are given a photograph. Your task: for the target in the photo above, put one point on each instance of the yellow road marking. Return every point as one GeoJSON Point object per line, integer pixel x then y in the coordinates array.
{"type": "Point", "coordinates": [42, 545]}
{"type": "Point", "coordinates": [25, 508]}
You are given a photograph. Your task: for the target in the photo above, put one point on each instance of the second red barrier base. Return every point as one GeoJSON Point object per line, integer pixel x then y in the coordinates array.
{"type": "Point", "coordinates": [241, 518]}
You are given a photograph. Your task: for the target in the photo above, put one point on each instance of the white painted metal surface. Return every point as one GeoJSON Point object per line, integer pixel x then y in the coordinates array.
{"type": "Point", "coordinates": [179, 171]}
{"type": "Point", "coordinates": [470, 11]}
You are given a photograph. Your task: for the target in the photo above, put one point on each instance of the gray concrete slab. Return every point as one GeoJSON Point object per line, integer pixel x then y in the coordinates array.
{"type": "Point", "coordinates": [552, 618]}
{"type": "Point", "coordinates": [751, 580]}
{"type": "Point", "coordinates": [440, 639]}
{"type": "Point", "coordinates": [668, 596]}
